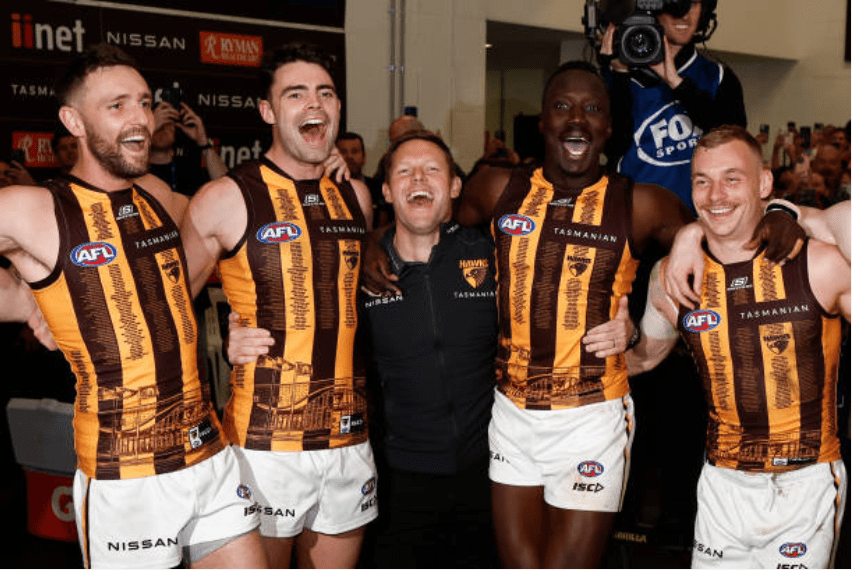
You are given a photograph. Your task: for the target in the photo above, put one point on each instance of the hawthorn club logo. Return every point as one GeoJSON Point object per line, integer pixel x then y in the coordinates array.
{"type": "Point", "coordinates": [474, 271]}
{"type": "Point", "coordinates": [350, 257]}
{"type": "Point", "coordinates": [777, 343]}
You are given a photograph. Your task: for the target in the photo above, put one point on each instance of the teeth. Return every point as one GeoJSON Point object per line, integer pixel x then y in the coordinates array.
{"type": "Point", "coordinates": [419, 194]}
{"type": "Point", "coordinates": [719, 211]}
{"type": "Point", "coordinates": [135, 139]}
{"type": "Point", "coordinates": [312, 122]}
{"type": "Point", "coordinates": [575, 146]}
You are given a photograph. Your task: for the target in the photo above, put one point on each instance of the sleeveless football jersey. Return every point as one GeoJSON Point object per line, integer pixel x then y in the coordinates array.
{"type": "Point", "coordinates": [563, 262]}
{"type": "Point", "coordinates": [119, 306]}
{"type": "Point", "coordinates": [295, 273]}
{"type": "Point", "coordinates": [768, 357]}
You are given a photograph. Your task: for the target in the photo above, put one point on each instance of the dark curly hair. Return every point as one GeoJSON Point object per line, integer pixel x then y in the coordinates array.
{"type": "Point", "coordinates": [294, 51]}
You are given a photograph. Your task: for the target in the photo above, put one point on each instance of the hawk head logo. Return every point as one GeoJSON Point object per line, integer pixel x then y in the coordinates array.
{"type": "Point", "coordinates": [475, 276]}
{"type": "Point", "coordinates": [778, 346]}
{"type": "Point", "coordinates": [578, 269]}
{"type": "Point", "coordinates": [172, 270]}
{"type": "Point", "coordinates": [350, 257]}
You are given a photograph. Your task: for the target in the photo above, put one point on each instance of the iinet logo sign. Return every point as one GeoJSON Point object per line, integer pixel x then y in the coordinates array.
{"type": "Point", "coordinates": [29, 35]}
{"type": "Point", "coordinates": [231, 49]}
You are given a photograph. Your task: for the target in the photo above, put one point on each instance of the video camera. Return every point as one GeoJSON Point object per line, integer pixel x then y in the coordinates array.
{"type": "Point", "coordinates": [638, 39]}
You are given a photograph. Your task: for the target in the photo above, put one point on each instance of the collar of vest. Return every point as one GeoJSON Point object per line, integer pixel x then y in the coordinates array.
{"type": "Point", "coordinates": [397, 264]}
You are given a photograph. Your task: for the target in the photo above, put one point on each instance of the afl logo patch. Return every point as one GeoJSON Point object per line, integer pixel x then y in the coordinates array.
{"type": "Point", "coordinates": [590, 468]}
{"type": "Point", "coordinates": [278, 232]}
{"type": "Point", "coordinates": [369, 486]}
{"type": "Point", "coordinates": [793, 549]}
{"type": "Point", "coordinates": [701, 320]}
{"type": "Point", "coordinates": [93, 254]}
{"type": "Point", "coordinates": [516, 225]}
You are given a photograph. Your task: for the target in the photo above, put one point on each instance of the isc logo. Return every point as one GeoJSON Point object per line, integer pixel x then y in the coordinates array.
{"type": "Point", "coordinates": [590, 468]}
{"type": "Point", "coordinates": [278, 232]}
{"type": "Point", "coordinates": [793, 549]}
{"type": "Point", "coordinates": [701, 320]}
{"type": "Point", "coordinates": [516, 225]}
{"type": "Point", "coordinates": [93, 254]}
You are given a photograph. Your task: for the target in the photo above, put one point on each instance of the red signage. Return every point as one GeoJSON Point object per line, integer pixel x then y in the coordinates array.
{"type": "Point", "coordinates": [36, 146]}
{"type": "Point", "coordinates": [231, 49]}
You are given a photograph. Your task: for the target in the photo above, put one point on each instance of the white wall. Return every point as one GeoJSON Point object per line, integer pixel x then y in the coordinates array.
{"type": "Point", "coordinates": [787, 53]}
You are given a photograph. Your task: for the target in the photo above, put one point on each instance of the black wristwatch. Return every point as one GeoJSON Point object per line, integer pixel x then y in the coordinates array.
{"type": "Point", "coordinates": [634, 340]}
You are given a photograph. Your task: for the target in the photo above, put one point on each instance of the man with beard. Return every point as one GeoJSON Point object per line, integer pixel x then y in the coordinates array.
{"type": "Point", "coordinates": [155, 480]}
{"type": "Point", "coordinates": [287, 241]}
{"type": "Point", "coordinates": [568, 240]}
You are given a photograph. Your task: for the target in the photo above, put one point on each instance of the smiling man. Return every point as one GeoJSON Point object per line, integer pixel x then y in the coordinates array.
{"type": "Point", "coordinates": [287, 241]}
{"type": "Point", "coordinates": [156, 481]}
{"type": "Point", "coordinates": [766, 339]}
{"type": "Point", "coordinates": [568, 238]}
{"type": "Point", "coordinates": [433, 349]}
{"type": "Point", "coordinates": [660, 111]}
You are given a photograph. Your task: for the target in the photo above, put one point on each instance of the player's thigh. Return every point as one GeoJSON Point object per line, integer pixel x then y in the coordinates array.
{"type": "Point", "coordinates": [317, 550]}
{"type": "Point", "coordinates": [576, 539]}
{"type": "Point", "coordinates": [519, 524]}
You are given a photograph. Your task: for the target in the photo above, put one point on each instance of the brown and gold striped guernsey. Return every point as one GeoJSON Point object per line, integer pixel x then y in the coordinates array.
{"type": "Point", "coordinates": [768, 357]}
{"type": "Point", "coordinates": [563, 262]}
{"type": "Point", "coordinates": [119, 306]}
{"type": "Point", "coordinates": [295, 273]}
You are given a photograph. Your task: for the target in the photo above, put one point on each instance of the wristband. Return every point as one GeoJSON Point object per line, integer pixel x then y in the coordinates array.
{"type": "Point", "coordinates": [783, 206]}
{"type": "Point", "coordinates": [634, 340]}
{"type": "Point", "coordinates": [203, 147]}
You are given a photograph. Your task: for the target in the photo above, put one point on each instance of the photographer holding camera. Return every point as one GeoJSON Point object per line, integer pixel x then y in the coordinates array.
{"type": "Point", "coordinates": [180, 165]}
{"type": "Point", "coordinates": [664, 93]}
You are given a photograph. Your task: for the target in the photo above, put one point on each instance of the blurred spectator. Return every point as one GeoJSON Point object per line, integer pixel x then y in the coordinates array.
{"type": "Point", "coordinates": [6, 178]}
{"type": "Point", "coordinates": [13, 172]}
{"type": "Point", "coordinates": [787, 150]}
{"type": "Point", "coordinates": [828, 161]}
{"type": "Point", "coordinates": [496, 154]}
{"type": "Point", "coordinates": [351, 147]}
{"type": "Point", "coordinates": [402, 125]}
{"type": "Point", "coordinates": [64, 146]}
{"type": "Point", "coordinates": [177, 159]}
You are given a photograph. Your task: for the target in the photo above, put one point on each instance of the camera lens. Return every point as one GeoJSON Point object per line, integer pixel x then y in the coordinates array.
{"type": "Point", "coordinates": [641, 44]}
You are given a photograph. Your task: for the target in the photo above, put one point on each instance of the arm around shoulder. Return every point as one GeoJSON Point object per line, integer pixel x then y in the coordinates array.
{"type": "Point", "coordinates": [658, 214]}
{"type": "Point", "coordinates": [481, 194]}
{"type": "Point", "coordinates": [174, 203]}
{"type": "Point", "coordinates": [16, 300]}
{"type": "Point", "coordinates": [216, 220]}
{"type": "Point", "coordinates": [659, 331]}
{"type": "Point", "coordinates": [825, 263]}
{"type": "Point", "coordinates": [364, 200]}
{"type": "Point", "coordinates": [831, 225]}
